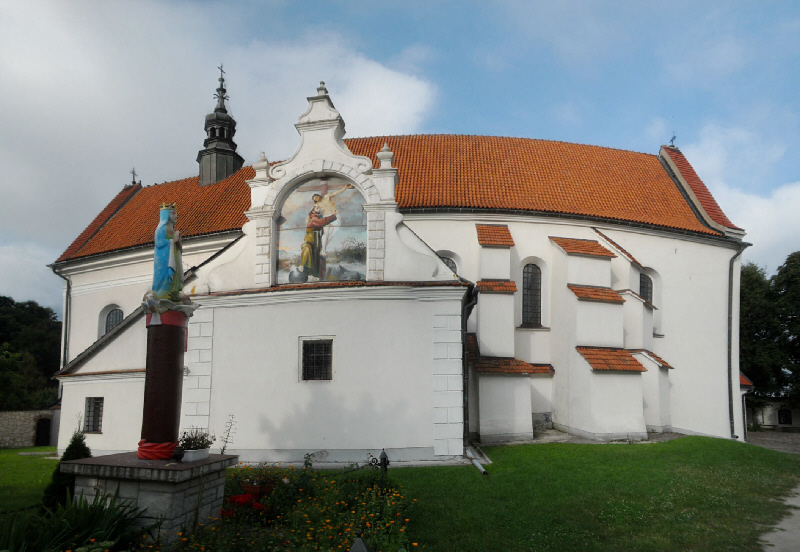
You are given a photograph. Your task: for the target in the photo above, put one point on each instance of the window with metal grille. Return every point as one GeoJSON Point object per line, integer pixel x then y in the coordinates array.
{"type": "Point", "coordinates": [785, 416]}
{"type": "Point", "coordinates": [317, 359]}
{"type": "Point", "coordinates": [450, 263]}
{"type": "Point", "coordinates": [531, 296]}
{"type": "Point", "coordinates": [93, 417]}
{"type": "Point", "coordinates": [113, 318]}
{"type": "Point", "coordinates": [646, 287]}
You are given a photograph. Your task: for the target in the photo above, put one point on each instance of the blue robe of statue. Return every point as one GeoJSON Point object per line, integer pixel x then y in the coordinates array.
{"type": "Point", "coordinates": [164, 266]}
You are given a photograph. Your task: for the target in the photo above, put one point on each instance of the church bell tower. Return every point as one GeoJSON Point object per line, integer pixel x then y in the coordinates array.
{"type": "Point", "coordinates": [218, 160]}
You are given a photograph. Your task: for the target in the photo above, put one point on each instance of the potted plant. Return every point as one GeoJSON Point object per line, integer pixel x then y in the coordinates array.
{"type": "Point", "coordinates": [195, 443]}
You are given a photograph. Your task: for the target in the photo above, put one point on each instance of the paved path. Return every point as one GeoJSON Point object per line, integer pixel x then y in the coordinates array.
{"type": "Point", "coordinates": [784, 537]}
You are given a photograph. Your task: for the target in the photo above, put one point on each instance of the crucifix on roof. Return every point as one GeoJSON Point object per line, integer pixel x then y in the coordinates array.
{"type": "Point", "coordinates": [133, 175]}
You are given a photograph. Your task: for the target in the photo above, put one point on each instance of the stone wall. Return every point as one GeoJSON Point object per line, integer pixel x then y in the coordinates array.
{"type": "Point", "coordinates": [18, 428]}
{"type": "Point", "coordinates": [178, 495]}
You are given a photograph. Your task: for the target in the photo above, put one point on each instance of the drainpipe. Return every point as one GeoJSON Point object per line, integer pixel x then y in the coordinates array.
{"type": "Point", "coordinates": [65, 322]}
{"type": "Point", "coordinates": [740, 250]}
{"type": "Point", "coordinates": [468, 302]}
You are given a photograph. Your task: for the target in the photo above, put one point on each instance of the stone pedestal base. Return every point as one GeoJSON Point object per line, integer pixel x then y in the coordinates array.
{"type": "Point", "coordinates": [180, 494]}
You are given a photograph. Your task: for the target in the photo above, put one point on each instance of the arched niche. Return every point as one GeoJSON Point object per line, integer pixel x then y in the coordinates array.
{"type": "Point", "coordinates": [321, 232]}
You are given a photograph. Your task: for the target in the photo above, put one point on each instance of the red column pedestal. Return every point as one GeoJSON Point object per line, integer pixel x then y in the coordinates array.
{"type": "Point", "coordinates": [163, 385]}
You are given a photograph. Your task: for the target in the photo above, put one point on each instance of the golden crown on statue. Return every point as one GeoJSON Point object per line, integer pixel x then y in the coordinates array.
{"type": "Point", "coordinates": [166, 205]}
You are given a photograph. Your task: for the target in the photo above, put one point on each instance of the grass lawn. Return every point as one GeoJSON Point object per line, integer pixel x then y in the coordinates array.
{"type": "Point", "coordinates": [23, 478]}
{"type": "Point", "coordinates": [693, 493]}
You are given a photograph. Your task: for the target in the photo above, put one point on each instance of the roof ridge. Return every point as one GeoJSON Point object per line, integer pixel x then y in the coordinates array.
{"type": "Point", "coordinates": [499, 136]}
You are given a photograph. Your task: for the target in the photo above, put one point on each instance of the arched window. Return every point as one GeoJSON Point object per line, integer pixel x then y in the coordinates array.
{"type": "Point", "coordinates": [450, 263]}
{"type": "Point", "coordinates": [531, 296]}
{"type": "Point", "coordinates": [646, 287]}
{"type": "Point", "coordinates": [113, 318]}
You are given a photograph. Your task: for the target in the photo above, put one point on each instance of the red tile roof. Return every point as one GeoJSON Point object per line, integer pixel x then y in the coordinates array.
{"type": "Point", "coordinates": [437, 172]}
{"type": "Point", "coordinates": [591, 248]}
{"type": "Point", "coordinates": [502, 365]}
{"type": "Point", "coordinates": [699, 188]}
{"type": "Point", "coordinates": [655, 357]}
{"type": "Point", "coordinates": [596, 293]}
{"type": "Point", "coordinates": [619, 248]}
{"type": "Point", "coordinates": [119, 200]}
{"type": "Point", "coordinates": [336, 284]}
{"type": "Point", "coordinates": [744, 381]}
{"type": "Point", "coordinates": [610, 359]}
{"type": "Point", "coordinates": [201, 210]}
{"type": "Point", "coordinates": [496, 286]}
{"type": "Point", "coordinates": [498, 173]}
{"type": "Point", "coordinates": [494, 235]}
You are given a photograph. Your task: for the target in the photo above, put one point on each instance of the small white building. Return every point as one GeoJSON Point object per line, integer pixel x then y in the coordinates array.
{"type": "Point", "coordinates": [410, 292]}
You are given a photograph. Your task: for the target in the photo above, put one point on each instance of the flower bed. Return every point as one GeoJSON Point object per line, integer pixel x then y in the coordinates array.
{"type": "Point", "coordinates": [304, 509]}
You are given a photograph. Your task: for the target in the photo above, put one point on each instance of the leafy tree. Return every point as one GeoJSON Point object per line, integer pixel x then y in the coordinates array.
{"type": "Point", "coordinates": [761, 352]}
{"type": "Point", "coordinates": [30, 337]}
{"type": "Point", "coordinates": [786, 285]}
{"type": "Point", "coordinates": [22, 386]}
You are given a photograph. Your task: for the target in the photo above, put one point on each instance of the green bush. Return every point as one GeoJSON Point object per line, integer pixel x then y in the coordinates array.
{"type": "Point", "coordinates": [62, 485]}
{"type": "Point", "coordinates": [107, 523]}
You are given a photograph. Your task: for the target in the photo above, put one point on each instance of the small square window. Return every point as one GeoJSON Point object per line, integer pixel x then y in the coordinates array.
{"type": "Point", "coordinates": [785, 416]}
{"type": "Point", "coordinates": [93, 418]}
{"type": "Point", "coordinates": [317, 359]}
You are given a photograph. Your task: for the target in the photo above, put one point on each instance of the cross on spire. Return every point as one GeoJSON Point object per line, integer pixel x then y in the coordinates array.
{"type": "Point", "coordinates": [221, 95]}
{"type": "Point", "coordinates": [133, 175]}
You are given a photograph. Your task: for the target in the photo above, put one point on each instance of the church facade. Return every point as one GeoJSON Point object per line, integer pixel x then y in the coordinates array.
{"type": "Point", "coordinates": [410, 293]}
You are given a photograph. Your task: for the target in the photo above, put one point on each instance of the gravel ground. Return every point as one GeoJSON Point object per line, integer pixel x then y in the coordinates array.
{"type": "Point", "coordinates": [776, 440]}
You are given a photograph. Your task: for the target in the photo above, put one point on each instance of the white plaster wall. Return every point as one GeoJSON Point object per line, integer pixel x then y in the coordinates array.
{"type": "Point", "coordinates": [655, 392]}
{"type": "Point", "coordinates": [122, 412]}
{"type": "Point", "coordinates": [617, 405]}
{"type": "Point", "coordinates": [505, 405]}
{"type": "Point", "coordinates": [623, 274]}
{"type": "Point", "coordinates": [496, 324]}
{"type": "Point", "coordinates": [127, 351]}
{"type": "Point", "coordinates": [396, 375]}
{"type": "Point", "coordinates": [541, 393]}
{"type": "Point", "coordinates": [599, 324]}
{"type": "Point", "coordinates": [638, 323]}
{"type": "Point", "coordinates": [589, 271]}
{"type": "Point", "coordinates": [120, 279]}
{"type": "Point", "coordinates": [532, 345]}
{"type": "Point", "coordinates": [495, 263]}
{"type": "Point", "coordinates": [694, 313]}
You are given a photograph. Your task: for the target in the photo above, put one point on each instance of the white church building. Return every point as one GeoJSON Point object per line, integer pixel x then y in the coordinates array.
{"type": "Point", "coordinates": [412, 293]}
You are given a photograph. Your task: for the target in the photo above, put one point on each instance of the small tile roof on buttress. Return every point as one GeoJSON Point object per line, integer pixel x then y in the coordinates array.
{"type": "Point", "coordinates": [502, 365]}
{"type": "Point", "coordinates": [595, 293]}
{"type": "Point", "coordinates": [590, 248]}
{"type": "Point", "coordinates": [494, 235]}
{"type": "Point", "coordinates": [610, 359]}
{"type": "Point", "coordinates": [441, 173]}
{"type": "Point", "coordinates": [496, 286]}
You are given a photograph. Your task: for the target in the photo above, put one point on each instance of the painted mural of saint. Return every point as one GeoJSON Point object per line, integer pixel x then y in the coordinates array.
{"type": "Point", "coordinates": [322, 213]}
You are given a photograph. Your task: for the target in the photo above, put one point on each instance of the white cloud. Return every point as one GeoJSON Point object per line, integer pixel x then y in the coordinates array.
{"type": "Point", "coordinates": [24, 276]}
{"type": "Point", "coordinates": [93, 89]}
{"type": "Point", "coordinates": [703, 60]}
{"type": "Point", "coordinates": [729, 159]}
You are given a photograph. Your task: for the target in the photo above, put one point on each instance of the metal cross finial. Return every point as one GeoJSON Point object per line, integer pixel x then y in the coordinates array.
{"type": "Point", "coordinates": [672, 140]}
{"type": "Point", "coordinates": [221, 70]}
{"type": "Point", "coordinates": [133, 174]}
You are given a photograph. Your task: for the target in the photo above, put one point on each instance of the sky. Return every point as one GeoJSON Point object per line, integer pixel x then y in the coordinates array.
{"type": "Point", "coordinates": [91, 90]}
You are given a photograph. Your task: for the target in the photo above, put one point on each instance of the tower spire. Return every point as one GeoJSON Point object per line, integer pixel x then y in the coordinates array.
{"type": "Point", "coordinates": [218, 160]}
{"type": "Point", "coordinates": [221, 94]}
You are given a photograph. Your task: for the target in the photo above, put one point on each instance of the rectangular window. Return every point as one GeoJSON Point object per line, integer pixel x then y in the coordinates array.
{"type": "Point", "coordinates": [785, 416]}
{"type": "Point", "coordinates": [93, 418]}
{"type": "Point", "coordinates": [317, 359]}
